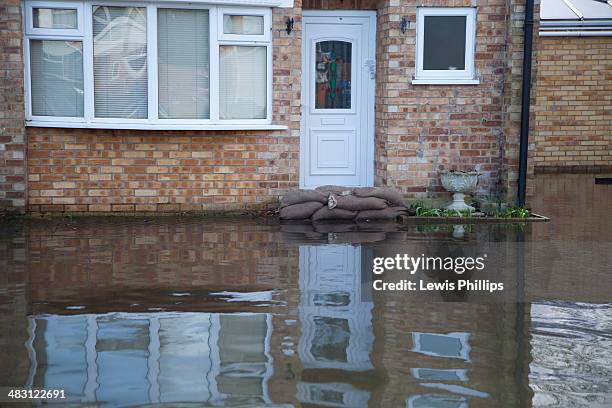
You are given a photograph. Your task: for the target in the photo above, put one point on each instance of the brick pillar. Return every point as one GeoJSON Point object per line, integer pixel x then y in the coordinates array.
{"type": "Point", "coordinates": [12, 146]}
{"type": "Point", "coordinates": [515, 17]}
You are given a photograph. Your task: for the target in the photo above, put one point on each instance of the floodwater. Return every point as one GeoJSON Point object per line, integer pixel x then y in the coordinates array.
{"type": "Point", "coordinates": [246, 312]}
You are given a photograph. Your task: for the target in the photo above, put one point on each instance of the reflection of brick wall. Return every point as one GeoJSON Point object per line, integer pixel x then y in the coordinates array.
{"type": "Point", "coordinates": [13, 308]}
{"type": "Point", "coordinates": [12, 148]}
{"type": "Point", "coordinates": [574, 115]}
{"type": "Point", "coordinates": [178, 254]}
{"type": "Point", "coordinates": [492, 339]}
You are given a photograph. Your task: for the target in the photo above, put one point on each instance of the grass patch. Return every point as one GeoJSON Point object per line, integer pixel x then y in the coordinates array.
{"type": "Point", "coordinates": [492, 208]}
{"type": "Point", "coordinates": [441, 212]}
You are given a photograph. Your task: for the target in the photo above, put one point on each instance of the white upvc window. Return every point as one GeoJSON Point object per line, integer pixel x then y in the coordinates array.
{"type": "Point", "coordinates": [446, 42]}
{"type": "Point", "coordinates": [145, 65]}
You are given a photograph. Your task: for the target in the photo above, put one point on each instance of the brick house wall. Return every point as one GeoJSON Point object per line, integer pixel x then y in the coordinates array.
{"type": "Point", "coordinates": [84, 170]}
{"type": "Point", "coordinates": [420, 129]}
{"type": "Point", "coordinates": [515, 18]}
{"type": "Point", "coordinates": [432, 127]}
{"type": "Point", "coordinates": [573, 125]}
{"type": "Point", "coordinates": [12, 110]}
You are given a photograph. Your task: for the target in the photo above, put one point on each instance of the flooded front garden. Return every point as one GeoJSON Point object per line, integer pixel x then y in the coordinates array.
{"type": "Point", "coordinates": [251, 312]}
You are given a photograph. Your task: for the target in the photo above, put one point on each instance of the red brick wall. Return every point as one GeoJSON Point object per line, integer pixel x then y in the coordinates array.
{"type": "Point", "coordinates": [420, 129]}
{"type": "Point", "coordinates": [427, 128]}
{"type": "Point", "coordinates": [12, 148]}
{"type": "Point", "coordinates": [105, 170]}
{"type": "Point", "coordinates": [573, 125]}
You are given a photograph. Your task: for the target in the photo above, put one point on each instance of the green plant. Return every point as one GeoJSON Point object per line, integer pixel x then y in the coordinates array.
{"type": "Point", "coordinates": [438, 212]}
{"type": "Point", "coordinates": [519, 212]}
{"type": "Point", "coordinates": [416, 204]}
{"type": "Point", "coordinates": [456, 213]}
{"type": "Point", "coordinates": [512, 212]}
{"type": "Point", "coordinates": [428, 212]}
{"type": "Point", "coordinates": [429, 228]}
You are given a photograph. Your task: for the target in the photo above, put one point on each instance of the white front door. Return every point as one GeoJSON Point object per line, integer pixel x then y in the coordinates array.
{"type": "Point", "coordinates": [338, 69]}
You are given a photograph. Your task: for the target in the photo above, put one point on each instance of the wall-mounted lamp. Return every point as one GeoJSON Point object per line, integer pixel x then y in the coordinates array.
{"type": "Point", "coordinates": [404, 25]}
{"type": "Point", "coordinates": [289, 25]}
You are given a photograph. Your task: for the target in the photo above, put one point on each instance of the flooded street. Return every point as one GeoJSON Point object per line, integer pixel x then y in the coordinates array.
{"type": "Point", "coordinates": [246, 312]}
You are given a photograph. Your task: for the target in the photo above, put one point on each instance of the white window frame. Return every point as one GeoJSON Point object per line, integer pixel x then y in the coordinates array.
{"type": "Point", "coordinates": [85, 35]}
{"type": "Point", "coordinates": [466, 76]}
{"type": "Point", "coordinates": [243, 11]}
{"type": "Point", "coordinates": [29, 13]}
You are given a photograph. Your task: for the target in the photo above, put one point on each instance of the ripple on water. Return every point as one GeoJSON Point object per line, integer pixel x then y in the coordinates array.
{"type": "Point", "coordinates": [571, 350]}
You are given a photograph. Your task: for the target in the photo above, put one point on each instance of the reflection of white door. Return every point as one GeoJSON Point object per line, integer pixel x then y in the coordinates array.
{"type": "Point", "coordinates": [337, 132]}
{"type": "Point", "coordinates": [336, 323]}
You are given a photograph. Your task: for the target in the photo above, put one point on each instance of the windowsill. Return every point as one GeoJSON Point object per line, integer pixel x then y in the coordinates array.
{"type": "Point", "coordinates": [443, 81]}
{"type": "Point", "coordinates": [147, 126]}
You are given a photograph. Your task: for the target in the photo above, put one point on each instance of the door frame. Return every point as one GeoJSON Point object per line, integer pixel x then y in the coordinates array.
{"type": "Point", "coordinates": [369, 90]}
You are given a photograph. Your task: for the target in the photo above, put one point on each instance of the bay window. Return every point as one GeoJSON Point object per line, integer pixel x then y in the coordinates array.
{"type": "Point", "coordinates": [120, 62]}
{"type": "Point", "coordinates": [57, 78]}
{"type": "Point", "coordinates": [147, 65]}
{"type": "Point", "coordinates": [183, 71]}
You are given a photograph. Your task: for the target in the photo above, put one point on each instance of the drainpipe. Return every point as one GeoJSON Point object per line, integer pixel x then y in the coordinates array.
{"type": "Point", "coordinates": [525, 98]}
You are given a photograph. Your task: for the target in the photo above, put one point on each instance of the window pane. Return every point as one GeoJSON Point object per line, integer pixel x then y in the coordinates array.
{"type": "Point", "coordinates": [333, 75]}
{"type": "Point", "coordinates": [57, 78]}
{"type": "Point", "coordinates": [183, 64]}
{"type": "Point", "coordinates": [54, 18]}
{"type": "Point", "coordinates": [444, 43]}
{"type": "Point", "coordinates": [120, 62]}
{"type": "Point", "coordinates": [331, 339]}
{"type": "Point", "coordinates": [242, 82]}
{"type": "Point", "coordinates": [245, 25]}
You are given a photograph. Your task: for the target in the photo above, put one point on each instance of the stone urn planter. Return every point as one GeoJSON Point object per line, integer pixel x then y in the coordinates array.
{"type": "Point", "coordinates": [459, 183]}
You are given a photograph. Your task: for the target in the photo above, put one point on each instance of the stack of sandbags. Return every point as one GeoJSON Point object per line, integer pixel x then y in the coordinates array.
{"type": "Point", "coordinates": [301, 204]}
{"type": "Point", "coordinates": [343, 203]}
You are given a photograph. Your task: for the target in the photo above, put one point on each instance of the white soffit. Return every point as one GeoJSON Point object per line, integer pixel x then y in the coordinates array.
{"type": "Point", "coordinates": [593, 9]}
{"type": "Point", "coordinates": [575, 18]}
{"type": "Point", "coordinates": [556, 10]}
{"type": "Point", "coordinates": [575, 10]}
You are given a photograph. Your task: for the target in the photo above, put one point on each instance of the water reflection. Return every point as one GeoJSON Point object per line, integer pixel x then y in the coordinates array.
{"type": "Point", "coordinates": [136, 358]}
{"type": "Point", "coordinates": [448, 345]}
{"type": "Point", "coordinates": [246, 313]}
{"type": "Point", "coordinates": [571, 345]}
{"type": "Point", "coordinates": [336, 323]}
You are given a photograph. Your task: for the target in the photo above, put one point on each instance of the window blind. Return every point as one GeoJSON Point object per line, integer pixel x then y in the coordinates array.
{"type": "Point", "coordinates": [242, 82]}
{"type": "Point", "coordinates": [120, 62]}
{"type": "Point", "coordinates": [183, 48]}
{"type": "Point", "coordinates": [56, 78]}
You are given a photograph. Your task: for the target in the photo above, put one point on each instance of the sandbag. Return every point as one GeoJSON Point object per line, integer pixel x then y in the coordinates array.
{"type": "Point", "coordinates": [302, 196]}
{"type": "Point", "coordinates": [337, 190]}
{"type": "Point", "coordinates": [300, 211]}
{"type": "Point", "coordinates": [335, 214]}
{"type": "Point", "coordinates": [390, 213]}
{"type": "Point", "coordinates": [354, 203]}
{"type": "Point", "coordinates": [394, 197]}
